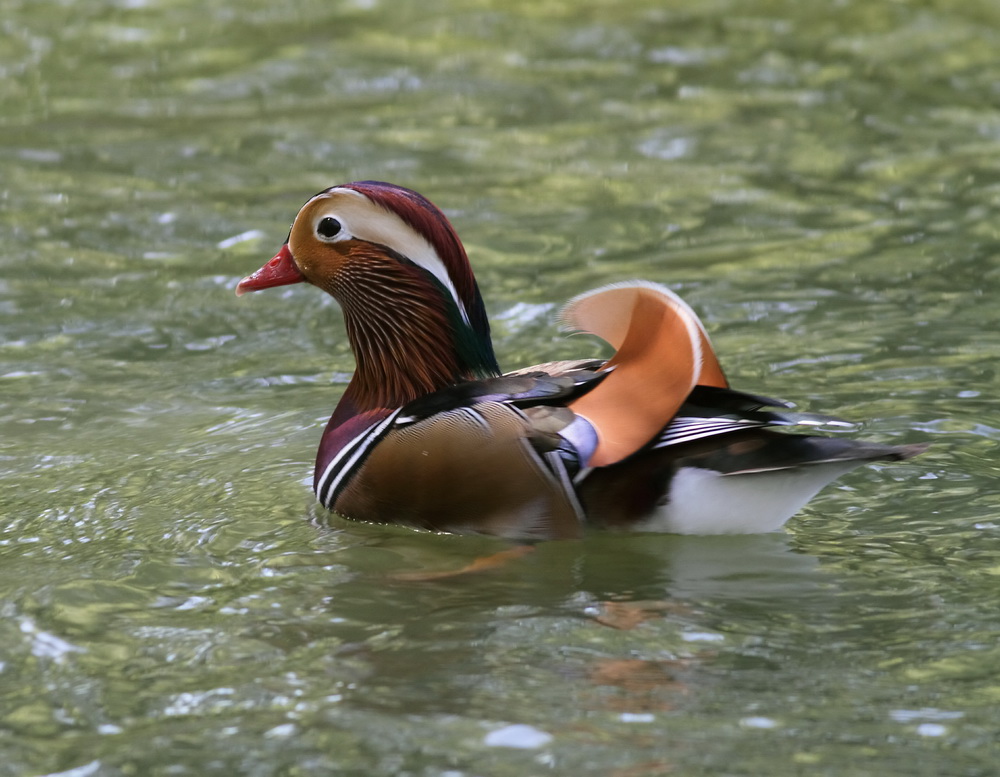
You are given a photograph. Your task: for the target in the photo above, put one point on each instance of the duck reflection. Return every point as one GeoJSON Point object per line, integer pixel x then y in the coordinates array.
{"type": "Point", "coordinates": [447, 624]}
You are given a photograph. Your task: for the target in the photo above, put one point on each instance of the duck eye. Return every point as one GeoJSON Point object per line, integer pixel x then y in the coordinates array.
{"type": "Point", "coordinates": [328, 227]}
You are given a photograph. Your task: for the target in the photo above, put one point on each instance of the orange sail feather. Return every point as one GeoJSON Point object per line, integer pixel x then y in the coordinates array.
{"type": "Point", "coordinates": [662, 352]}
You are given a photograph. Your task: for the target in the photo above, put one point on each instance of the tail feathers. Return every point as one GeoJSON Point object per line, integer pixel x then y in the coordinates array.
{"type": "Point", "coordinates": [768, 451]}
{"type": "Point", "coordinates": [662, 353]}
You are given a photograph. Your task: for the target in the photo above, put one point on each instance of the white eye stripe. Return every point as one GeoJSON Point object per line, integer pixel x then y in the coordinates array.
{"type": "Point", "coordinates": [360, 218]}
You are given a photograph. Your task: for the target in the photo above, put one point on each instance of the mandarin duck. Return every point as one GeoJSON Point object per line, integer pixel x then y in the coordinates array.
{"type": "Point", "coordinates": [429, 433]}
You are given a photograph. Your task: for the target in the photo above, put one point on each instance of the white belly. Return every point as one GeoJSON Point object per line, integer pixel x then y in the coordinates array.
{"type": "Point", "coordinates": [702, 501]}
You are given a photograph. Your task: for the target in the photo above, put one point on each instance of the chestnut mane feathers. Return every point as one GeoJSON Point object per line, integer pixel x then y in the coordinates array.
{"type": "Point", "coordinates": [424, 217]}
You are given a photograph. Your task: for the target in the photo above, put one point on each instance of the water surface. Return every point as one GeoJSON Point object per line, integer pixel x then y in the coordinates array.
{"type": "Point", "coordinates": [820, 182]}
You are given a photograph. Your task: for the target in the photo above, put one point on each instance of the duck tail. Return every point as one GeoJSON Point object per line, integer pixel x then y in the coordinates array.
{"type": "Point", "coordinates": [662, 353]}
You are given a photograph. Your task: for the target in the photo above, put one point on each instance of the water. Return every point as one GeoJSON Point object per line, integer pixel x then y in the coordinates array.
{"type": "Point", "coordinates": [819, 182]}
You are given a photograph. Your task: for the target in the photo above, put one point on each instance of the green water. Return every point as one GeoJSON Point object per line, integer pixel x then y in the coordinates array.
{"type": "Point", "coordinates": [820, 181]}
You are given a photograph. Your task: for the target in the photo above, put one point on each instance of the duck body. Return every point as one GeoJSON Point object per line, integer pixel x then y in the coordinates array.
{"type": "Point", "coordinates": [430, 434]}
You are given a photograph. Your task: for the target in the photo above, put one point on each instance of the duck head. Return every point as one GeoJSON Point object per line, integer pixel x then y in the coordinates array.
{"type": "Point", "coordinates": [414, 314]}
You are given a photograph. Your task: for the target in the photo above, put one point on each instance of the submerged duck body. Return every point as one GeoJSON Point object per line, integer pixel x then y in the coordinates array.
{"type": "Point", "coordinates": [429, 432]}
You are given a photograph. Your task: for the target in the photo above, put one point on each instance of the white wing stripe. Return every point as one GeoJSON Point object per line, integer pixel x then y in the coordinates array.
{"type": "Point", "coordinates": [687, 429]}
